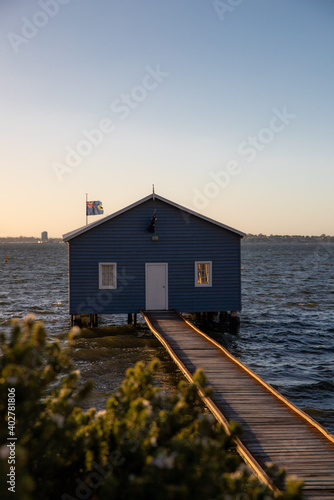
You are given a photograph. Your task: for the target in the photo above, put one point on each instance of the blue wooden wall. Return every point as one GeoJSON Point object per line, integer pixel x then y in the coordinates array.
{"type": "Point", "coordinates": [183, 239]}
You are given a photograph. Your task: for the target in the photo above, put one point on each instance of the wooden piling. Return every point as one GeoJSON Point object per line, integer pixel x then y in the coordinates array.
{"type": "Point", "coordinates": [223, 317]}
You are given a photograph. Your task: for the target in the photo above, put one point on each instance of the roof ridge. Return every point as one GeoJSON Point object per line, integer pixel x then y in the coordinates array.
{"type": "Point", "coordinates": [154, 196]}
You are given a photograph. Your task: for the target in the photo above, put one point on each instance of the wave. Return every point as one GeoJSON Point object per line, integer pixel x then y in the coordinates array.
{"type": "Point", "coordinates": [316, 387]}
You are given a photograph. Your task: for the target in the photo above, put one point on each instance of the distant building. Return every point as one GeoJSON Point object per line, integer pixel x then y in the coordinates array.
{"type": "Point", "coordinates": [154, 255]}
{"type": "Point", "coordinates": [44, 236]}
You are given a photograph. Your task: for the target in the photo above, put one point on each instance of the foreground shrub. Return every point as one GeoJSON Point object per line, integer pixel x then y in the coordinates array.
{"type": "Point", "coordinates": [143, 445]}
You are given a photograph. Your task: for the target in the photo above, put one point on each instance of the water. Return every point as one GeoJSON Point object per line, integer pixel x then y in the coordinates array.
{"type": "Point", "coordinates": [35, 279]}
{"type": "Point", "coordinates": [286, 333]}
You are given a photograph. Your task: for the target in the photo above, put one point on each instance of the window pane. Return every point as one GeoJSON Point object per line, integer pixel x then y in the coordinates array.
{"type": "Point", "coordinates": [107, 275]}
{"type": "Point", "coordinates": [203, 273]}
{"type": "Point", "coordinates": [199, 274]}
{"type": "Point", "coordinates": [206, 273]}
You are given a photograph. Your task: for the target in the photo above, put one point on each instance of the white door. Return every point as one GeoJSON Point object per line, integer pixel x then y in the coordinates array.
{"type": "Point", "coordinates": [156, 287]}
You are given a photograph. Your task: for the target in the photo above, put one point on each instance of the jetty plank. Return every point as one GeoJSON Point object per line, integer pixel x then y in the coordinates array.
{"type": "Point", "coordinates": [275, 430]}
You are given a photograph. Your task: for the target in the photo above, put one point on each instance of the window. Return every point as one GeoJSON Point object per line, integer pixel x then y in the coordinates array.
{"type": "Point", "coordinates": [203, 273]}
{"type": "Point", "coordinates": [107, 275]}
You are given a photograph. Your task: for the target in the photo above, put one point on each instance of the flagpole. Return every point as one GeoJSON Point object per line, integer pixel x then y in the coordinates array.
{"type": "Point", "coordinates": [86, 209]}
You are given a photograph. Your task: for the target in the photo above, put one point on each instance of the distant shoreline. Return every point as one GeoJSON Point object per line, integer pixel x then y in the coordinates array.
{"type": "Point", "coordinates": [255, 238]}
{"type": "Point", "coordinates": [249, 238]}
{"type": "Point", "coordinates": [29, 239]}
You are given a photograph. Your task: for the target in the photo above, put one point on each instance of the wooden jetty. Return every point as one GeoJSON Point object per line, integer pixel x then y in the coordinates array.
{"type": "Point", "coordinates": [275, 430]}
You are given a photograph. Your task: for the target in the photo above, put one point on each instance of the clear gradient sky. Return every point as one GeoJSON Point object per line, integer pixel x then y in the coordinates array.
{"type": "Point", "coordinates": [226, 106]}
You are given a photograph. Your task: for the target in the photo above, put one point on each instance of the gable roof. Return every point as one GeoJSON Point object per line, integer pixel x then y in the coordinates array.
{"type": "Point", "coordinates": [153, 196]}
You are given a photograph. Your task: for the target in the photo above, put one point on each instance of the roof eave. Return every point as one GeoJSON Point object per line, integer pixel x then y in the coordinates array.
{"type": "Point", "coordinates": [73, 234]}
{"type": "Point", "coordinates": [77, 232]}
{"type": "Point", "coordinates": [204, 217]}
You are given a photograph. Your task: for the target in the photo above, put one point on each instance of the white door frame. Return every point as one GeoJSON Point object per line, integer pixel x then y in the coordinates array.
{"type": "Point", "coordinates": [147, 297]}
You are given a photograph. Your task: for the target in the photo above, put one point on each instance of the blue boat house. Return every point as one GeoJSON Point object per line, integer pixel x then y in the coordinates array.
{"type": "Point", "coordinates": [153, 255]}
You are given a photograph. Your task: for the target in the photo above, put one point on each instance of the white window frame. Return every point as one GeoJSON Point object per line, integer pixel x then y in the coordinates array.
{"type": "Point", "coordinates": [203, 285]}
{"type": "Point", "coordinates": [113, 286]}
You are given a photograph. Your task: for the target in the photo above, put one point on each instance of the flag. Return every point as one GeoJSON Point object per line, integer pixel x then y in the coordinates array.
{"type": "Point", "coordinates": [94, 208]}
{"type": "Point", "coordinates": [151, 227]}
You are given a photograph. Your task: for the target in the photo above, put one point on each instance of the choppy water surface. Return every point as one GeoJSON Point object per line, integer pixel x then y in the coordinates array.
{"type": "Point", "coordinates": [286, 333]}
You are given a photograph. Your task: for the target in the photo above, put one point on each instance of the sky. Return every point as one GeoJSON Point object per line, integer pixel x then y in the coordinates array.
{"type": "Point", "coordinates": [226, 106]}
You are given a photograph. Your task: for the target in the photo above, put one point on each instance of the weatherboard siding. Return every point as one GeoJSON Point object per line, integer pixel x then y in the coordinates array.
{"type": "Point", "coordinates": [183, 239]}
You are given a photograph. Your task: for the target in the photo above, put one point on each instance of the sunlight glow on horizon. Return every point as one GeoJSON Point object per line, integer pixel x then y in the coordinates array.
{"type": "Point", "coordinates": [231, 118]}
